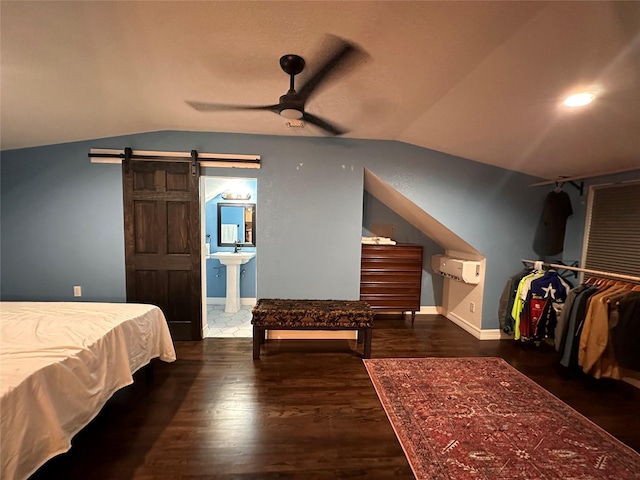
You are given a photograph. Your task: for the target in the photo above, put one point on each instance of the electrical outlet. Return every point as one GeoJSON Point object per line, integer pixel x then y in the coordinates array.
{"type": "Point", "coordinates": [77, 291]}
{"type": "Point", "coordinates": [472, 307]}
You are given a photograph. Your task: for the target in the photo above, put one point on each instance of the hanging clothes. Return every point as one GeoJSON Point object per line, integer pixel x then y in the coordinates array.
{"type": "Point", "coordinates": [538, 295]}
{"type": "Point", "coordinates": [624, 317]}
{"type": "Point", "coordinates": [574, 329]}
{"type": "Point", "coordinates": [562, 325]}
{"type": "Point", "coordinates": [508, 297]}
{"type": "Point", "coordinates": [545, 299]}
{"type": "Point", "coordinates": [519, 313]}
{"type": "Point", "coordinates": [595, 326]}
{"type": "Point", "coordinates": [556, 210]}
{"type": "Point", "coordinates": [593, 356]}
{"type": "Point", "coordinates": [600, 332]}
{"type": "Point", "coordinates": [547, 296]}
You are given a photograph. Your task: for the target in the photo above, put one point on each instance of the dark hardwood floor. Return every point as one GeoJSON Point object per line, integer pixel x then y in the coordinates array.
{"type": "Point", "coordinates": [306, 410]}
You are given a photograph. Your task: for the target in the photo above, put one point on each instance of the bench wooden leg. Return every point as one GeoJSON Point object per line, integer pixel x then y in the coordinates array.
{"type": "Point", "coordinates": [360, 336]}
{"type": "Point", "coordinates": [258, 340]}
{"type": "Point", "coordinates": [367, 342]}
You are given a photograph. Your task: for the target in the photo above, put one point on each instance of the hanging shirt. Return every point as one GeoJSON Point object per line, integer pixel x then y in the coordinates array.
{"type": "Point", "coordinates": [547, 294]}
{"type": "Point", "coordinates": [505, 306]}
{"type": "Point", "coordinates": [574, 329]}
{"type": "Point", "coordinates": [595, 336]}
{"type": "Point", "coordinates": [557, 208]}
{"type": "Point", "coordinates": [519, 303]}
{"type": "Point", "coordinates": [624, 318]}
{"type": "Point", "coordinates": [550, 286]}
{"type": "Point", "coordinates": [562, 324]}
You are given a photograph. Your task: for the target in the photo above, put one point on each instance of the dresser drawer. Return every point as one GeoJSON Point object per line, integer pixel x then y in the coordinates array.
{"type": "Point", "coordinates": [391, 289]}
{"type": "Point", "coordinates": [391, 251]}
{"type": "Point", "coordinates": [397, 303]}
{"type": "Point", "coordinates": [391, 277]}
{"type": "Point", "coordinates": [392, 264]}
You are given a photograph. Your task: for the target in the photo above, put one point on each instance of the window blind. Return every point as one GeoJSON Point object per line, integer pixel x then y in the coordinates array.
{"type": "Point", "coordinates": [613, 236]}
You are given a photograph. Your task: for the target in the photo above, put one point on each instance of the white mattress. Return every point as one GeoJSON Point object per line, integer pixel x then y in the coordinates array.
{"type": "Point", "coordinates": [59, 364]}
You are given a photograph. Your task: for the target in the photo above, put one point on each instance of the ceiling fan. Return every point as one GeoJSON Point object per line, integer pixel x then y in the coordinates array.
{"type": "Point", "coordinates": [292, 104]}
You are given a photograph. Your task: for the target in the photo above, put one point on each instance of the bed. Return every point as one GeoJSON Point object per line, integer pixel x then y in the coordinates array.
{"type": "Point", "coordinates": [59, 364]}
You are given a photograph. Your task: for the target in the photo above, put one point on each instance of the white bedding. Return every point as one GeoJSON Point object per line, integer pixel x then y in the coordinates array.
{"type": "Point", "coordinates": [59, 364]}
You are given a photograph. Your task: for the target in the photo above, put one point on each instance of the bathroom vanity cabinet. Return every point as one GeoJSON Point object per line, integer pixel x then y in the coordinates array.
{"type": "Point", "coordinates": [391, 277]}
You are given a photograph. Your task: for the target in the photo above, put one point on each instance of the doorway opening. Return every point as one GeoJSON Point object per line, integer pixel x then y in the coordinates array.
{"type": "Point", "coordinates": [229, 241]}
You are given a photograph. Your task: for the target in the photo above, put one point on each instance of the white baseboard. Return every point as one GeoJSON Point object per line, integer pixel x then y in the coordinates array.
{"type": "Point", "coordinates": [435, 310]}
{"type": "Point", "coordinates": [493, 334]}
{"type": "Point", "coordinates": [222, 301]}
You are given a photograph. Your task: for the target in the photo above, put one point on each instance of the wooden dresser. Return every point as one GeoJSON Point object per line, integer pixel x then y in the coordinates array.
{"type": "Point", "coordinates": [391, 277]}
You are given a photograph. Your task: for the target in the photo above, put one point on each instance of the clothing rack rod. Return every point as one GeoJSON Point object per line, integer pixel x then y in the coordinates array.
{"type": "Point", "coordinates": [598, 273]}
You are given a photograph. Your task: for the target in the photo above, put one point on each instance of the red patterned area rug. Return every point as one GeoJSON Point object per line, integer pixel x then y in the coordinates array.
{"type": "Point", "coordinates": [479, 418]}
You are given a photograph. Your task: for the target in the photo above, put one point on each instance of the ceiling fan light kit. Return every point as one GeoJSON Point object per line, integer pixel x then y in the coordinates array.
{"type": "Point", "coordinates": [291, 113]}
{"type": "Point", "coordinates": [291, 105]}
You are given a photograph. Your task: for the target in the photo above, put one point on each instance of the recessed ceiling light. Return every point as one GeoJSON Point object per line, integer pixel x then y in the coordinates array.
{"type": "Point", "coordinates": [579, 99]}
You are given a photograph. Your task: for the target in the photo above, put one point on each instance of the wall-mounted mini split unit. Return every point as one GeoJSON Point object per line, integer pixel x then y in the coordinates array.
{"type": "Point", "coordinates": [467, 271]}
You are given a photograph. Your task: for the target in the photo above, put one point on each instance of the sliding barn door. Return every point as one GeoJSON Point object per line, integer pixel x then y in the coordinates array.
{"type": "Point", "coordinates": [162, 242]}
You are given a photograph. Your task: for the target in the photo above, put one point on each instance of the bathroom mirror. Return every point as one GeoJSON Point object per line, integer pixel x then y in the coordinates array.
{"type": "Point", "coordinates": [236, 224]}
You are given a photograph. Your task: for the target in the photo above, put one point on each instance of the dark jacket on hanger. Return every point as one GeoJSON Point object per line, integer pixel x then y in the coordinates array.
{"type": "Point", "coordinates": [624, 318]}
{"type": "Point", "coordinates": [507, 298]}
{"type": "Point", "coordinates": [576, 317]}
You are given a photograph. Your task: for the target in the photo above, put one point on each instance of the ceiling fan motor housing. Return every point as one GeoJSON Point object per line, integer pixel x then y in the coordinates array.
{"type": "Point", "coordinates": [292, 64]}
{"type": "Point", "coordinates": [291, 106]}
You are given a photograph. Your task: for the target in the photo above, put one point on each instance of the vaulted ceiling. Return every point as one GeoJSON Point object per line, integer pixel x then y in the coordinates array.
{"type": "Point", "coordinates": [481, 80]}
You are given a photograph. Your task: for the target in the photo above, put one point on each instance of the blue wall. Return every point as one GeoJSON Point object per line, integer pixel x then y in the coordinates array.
{"type": "Point", "coordinates": [62, 216]}
{"type": "Point", "coordinates": [374, 211]}
{"type": "Point", "coordinates": [62, 225]}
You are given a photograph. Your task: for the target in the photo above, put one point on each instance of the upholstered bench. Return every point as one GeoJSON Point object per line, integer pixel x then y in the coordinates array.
{"type": "Point", "coordinates": [278, 314]}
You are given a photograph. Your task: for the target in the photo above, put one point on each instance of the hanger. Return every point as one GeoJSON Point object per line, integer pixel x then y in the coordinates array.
{"type": "Point", "coordinates": [624, 287]}
{"type": "Point", "coordinates": [604, 282]}
{"type": "Point", "coordinates": [632, 288]}
{"type": "Point", "coordinates": [558, 188]}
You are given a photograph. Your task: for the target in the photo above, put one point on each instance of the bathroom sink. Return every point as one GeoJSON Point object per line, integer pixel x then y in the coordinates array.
{"type": "Point", "coordinates": [233, 258]}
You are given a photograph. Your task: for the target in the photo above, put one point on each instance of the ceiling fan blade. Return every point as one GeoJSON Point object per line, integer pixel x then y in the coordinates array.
{"type": "Point", "coordinates": [343, 52]}
{"type": "Point", "coordinates": [221, 107]}
{"type": "Point", "coordinates": [326, 126]}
